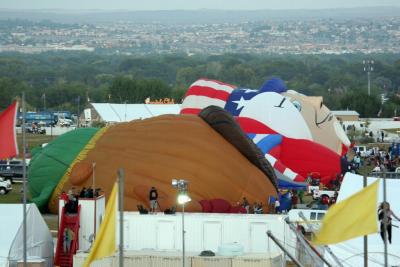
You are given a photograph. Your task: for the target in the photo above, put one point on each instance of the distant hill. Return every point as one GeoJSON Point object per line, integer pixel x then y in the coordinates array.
{"type": "Point", "coordinates": [196, 16]}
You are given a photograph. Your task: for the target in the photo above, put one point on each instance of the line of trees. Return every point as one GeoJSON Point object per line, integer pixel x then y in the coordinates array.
{"type": "Point", "coordinates": [58, 79]}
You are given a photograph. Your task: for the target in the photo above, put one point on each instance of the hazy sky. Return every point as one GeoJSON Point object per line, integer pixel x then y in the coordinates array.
{"type": "Point", "coordinates": [191, 4]}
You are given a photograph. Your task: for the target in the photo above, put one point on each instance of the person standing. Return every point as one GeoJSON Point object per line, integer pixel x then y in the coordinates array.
{"type": "Point", "coordinates": [255, 208]}
{"type": "Point", "coordinates": [295, 199]}
{"type": "Point", "coordinates": [385, 207]}
{"type": "Point", "coordinates": [277, 206]}
{"type": "Point", "coordinates": [260, 208]}
{"type": "Point", "coordinates": [64, 197]}
{"type": "Point", "coordinates": [66, 240]}
{"type": "Point", "coordinates": [301, 195]}
{"type": "Point", "coordinates": [246, 205]}
{"type": "Point", "coordinates": [357, 160]}
{"type": "Point", "coordinates": [153, 196]}
{"type": "Point", "coordinates": [71, 239]}
{"type": "Point", "coordinates": [82, 193]}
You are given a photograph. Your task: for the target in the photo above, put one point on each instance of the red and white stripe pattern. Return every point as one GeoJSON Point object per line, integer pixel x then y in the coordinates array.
{"type": "Point", "coordinates": [204, 93]}
{"type": "Point", "coordinates": [279, 166]}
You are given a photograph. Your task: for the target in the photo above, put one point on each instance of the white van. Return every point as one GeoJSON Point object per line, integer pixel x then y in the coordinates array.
{"type": "Point", "coordinates": [313, 218]}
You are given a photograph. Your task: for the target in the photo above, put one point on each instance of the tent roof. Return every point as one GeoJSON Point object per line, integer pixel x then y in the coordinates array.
{"type": "Point", "coordinates": [126, 112]}
{"type": "Point", "coordinates": [345, 113]}
{"type": "Point", "coordinates": [11, 220]}
{"type": "Point", "coordinates": [286, 183]}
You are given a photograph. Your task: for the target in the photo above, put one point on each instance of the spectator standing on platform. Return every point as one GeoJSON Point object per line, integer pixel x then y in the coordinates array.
{"type": "Point", "coordinates": [90, 192]}
{"type": "Point", "coordinates": [153, 196]}
{"type": "Point", "coordinates": [71, 196]}
{"type": "Point", "coordinates": [82, 193]}
{"type": "Point", "coordinates": [277, 206]}
{"type": "Point", "coordinates": [64, 197]}
{"type": "Point", "coordinates": [246, 205]}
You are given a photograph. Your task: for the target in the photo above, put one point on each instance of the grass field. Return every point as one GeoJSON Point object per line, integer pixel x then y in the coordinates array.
{"type": "Point", "coordinates": [14, 196]}
{"type": "Point", "coordinates": [33, 140]}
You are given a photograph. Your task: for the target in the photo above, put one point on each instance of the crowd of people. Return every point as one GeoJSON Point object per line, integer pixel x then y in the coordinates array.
{"type": "Point", "coordinates": [257, 208]}
{"type": "Point", "coordinates": [294, 196]}
{"type": "Point", "coordinates": [384, 161]}
{"type": "Point", "coordinates": [380, 159]}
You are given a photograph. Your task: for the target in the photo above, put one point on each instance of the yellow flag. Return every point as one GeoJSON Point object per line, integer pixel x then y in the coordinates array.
{"type": "Point", "coordinates": [352, 217]}
{"type": "Point", "coordinates": [104, 244]}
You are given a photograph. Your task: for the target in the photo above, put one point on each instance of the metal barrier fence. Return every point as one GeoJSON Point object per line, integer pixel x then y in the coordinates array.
{"type": "Point", "coordinates": [389, 175]}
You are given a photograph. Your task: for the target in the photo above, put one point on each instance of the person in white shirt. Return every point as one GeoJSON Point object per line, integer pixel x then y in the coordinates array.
{"type": "Point", "coordinates": [277, 206]}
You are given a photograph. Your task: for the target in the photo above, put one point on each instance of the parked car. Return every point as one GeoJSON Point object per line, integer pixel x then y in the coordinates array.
{"type": "Point", "coordinates": [36, 130]}
{"type": "Point", "coordinates": [5, 186]}
{"type": "Point", "coordinates": [308, 219]}
{"type": "Point", "coordinates": [12, 170]}
{"type": "Point", "coordinates": [317, 194]}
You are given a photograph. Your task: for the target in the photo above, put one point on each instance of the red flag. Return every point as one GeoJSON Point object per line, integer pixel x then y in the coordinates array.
{"type": "Point", "coordinates": [8, 138]}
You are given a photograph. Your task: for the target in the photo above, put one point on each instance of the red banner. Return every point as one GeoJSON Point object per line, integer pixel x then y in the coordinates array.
{"type": "Point", "coordinates": [8, 138]}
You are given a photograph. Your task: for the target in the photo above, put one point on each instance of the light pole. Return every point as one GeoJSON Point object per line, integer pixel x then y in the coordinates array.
{"type": "Point", "coordinates": [368, 68]}
{"type": "Point", "coordinates": [183, 198]}
{"type": "Point", "coordinates": [79, 101]}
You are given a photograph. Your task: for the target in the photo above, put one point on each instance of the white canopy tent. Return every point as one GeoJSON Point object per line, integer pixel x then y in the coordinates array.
{"type": "Point", "coordinates": [39, 240]}
{"type": "Point", "coordinates": [112, 113]}
{"type": "Point", "coordinates": [351, 252]}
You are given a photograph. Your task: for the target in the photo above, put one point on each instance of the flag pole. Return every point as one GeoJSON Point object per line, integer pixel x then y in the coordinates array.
{"type": "Point", "coordinates": [93, 177]}
{"type": "Point", "coordinates": [121, 175]}
{"type": "Point", "coordinates": [365, 237]}
{"type": "Point", "coordinates": [385, 219]}
{"type": "Point", "coordinates": [24, 179]}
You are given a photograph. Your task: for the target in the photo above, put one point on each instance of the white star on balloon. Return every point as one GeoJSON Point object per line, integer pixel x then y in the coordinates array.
{"type": "Point", "coordinates": [240, 103]}
{"type": "Point", "coordinates": [250, 90]}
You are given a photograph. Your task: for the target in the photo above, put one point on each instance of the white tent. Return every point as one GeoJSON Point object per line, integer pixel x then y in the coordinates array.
{"type": "Point", "coordinates": [351, 252]}
{"type": "Point", "coordinates": [39, 240]}
{"type": "Point", "coordinates": [110, 112]}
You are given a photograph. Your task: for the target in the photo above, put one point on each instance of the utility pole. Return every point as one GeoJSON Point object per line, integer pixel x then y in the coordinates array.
{"type": "Point", "coordinates": [24, 227]}
{"type": "Point", "coordinates": [44, 101]}
{"type": "Point", "coordinates": [79, 101]}
{"type": "Point", "coordinates": [121, 186]}
{"type": "Point", "coordinates": [385, 220]}
{"type": "Point", "coordinates": [365, 237]}
{"type": "Point", "coordinates": [368, 68]}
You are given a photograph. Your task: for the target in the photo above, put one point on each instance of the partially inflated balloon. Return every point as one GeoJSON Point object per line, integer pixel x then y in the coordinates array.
{"type": "Point", "coordinates": [152, 152]}
{"type": "Point", "coordinates": [274, 120]}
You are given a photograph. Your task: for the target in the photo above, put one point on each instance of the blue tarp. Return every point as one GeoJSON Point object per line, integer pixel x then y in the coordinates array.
{"type": "Point", "coordinates": [285, 183]}
{"type": "Point", "coordinates": [282, 184]}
